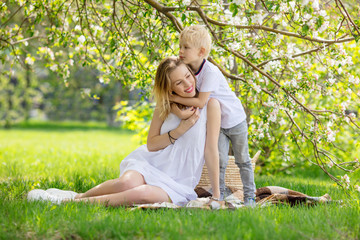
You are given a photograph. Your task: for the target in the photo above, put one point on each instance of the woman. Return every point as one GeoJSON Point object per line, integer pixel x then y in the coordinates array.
{"type": "Point", "coordinates": [169, 166]}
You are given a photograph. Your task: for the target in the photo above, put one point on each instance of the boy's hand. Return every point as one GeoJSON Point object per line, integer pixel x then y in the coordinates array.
{"type": "Point", "coordinates": [182, 114]}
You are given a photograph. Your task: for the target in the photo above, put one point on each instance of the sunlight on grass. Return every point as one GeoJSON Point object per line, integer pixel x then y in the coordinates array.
{"type": "Point", "coordinates": [79, 157]}
{"type": "Point", "coordinates": [53, 153]}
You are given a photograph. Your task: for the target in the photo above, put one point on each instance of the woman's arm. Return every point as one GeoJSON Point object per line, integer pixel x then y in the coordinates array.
{"type": "Point", "coordinates": [211, 144]}
{"type": "Point", "coordinates": [156, 142]}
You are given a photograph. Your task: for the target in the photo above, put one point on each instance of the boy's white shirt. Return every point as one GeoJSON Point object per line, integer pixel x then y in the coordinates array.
{"type": "Point", "coordinates": [211, 79]}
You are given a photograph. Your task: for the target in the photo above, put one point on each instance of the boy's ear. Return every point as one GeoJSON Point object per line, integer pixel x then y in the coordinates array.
{"type": "Point", "coordinates": [202, 51]}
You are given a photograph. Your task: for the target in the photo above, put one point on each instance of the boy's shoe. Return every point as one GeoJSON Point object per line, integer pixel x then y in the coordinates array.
{"type": "Point", "coordinates": [61, 194]}
{"type": "Point", "coordinates": [42, 195]}
{"type": "Point", "coordinates": [250, 202]}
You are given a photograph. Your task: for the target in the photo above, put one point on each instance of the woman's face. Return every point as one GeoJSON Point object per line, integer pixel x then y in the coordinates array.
{"type": "Point", "coordinates": [182, 82]}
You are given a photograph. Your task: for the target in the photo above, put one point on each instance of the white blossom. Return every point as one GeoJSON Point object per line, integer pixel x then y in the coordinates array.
{"type": "Point", "coordinates": [47, 51]}
{"type": "Point", "coordinates": [354, 80]}
{"type": "Point", "coordinates": [330, 164]}
{"type": "Point", "coordinates": [347, 60]}
{"type": "Point", "coordinates": [331, 80]}
{"type": "Point", "coordinates": [305, 2]}
{"type": "Point", "coordinates": [81, 39]}
{"type": "Point", "coordinates": [257, 88]}
{"type": "Point", "coordinates": [294, 83]}
{"type": "Point", "coordinates": [29, 60]}
{"type": "Point", "coordinates": [287, 132]}
{"type": "Point", "coordinates": [296, 16]}
{"type": "Point", "coordinates": [333, 117]}
{"type": "Point", "coordinates": [283, 7]}
{"type": "Point", "coordinates": [238, 2]}
{"type": "Point", "coordinates": [347, 119]}
{"type": "Point", "coordinates": [286, 148]}
{"type": "Point", "coordinates": [244, 21]}
{"type": "Point", "coordinates": [282, 122]}
{"type": "Point", "coordinates": [290, 49]}
{"type": "Point", "coordinates": [261, 135]}
{"type": "Point", "coordinates": [346, 179]}
{"type": "Point", "coordinates": [77, 28]}
{"type": "Point", "coordinates": [97, 29]}
{"type": "Point", "coordinates": [307, 17]}
{"type": "Point", "coordinates": [258, 18]}
{"type": "Point", "coordinates": [324, 26]}
{"type": "Point", "coordinates": [273, 115]}
{"type": "Point", "coordinates": [292, 4]}
{"type": "Point", "coordinates": [322, 13]}
{"type": "Point", "coordinates": [228, 14]}
{"type": "Point", "coordinates": [20, 2]}
{"type": "Point", "coordinates": [277, 17]}
{"type": "Point", "coordinates": [315, 5]}
{"type": "Point", "coordinates": [339, 70]}
{"type": "Point", "coordinates": [235, 46]}
{"type": "Point", "coordinates": [330, 135]}
{"type": "Point", "coordinates": [54, 67]}
{"type": "Point", "coordinates": [86, 91]}
{"type": "Point", "coordinates": [332, 62]}
{"type": "Point", "coordinates": [278, 39]}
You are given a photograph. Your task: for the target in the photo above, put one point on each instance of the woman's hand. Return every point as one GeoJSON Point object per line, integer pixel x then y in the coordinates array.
{"type": "Point", "coordinates": [156, 142]}
{"type": "Point", "coordinates": [186, 124]}
{"type": "Point", "coordinates": [182, 113]}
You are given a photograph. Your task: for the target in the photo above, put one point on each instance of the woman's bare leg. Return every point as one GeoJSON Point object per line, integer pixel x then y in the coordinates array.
{"type": "Point", "coordinates": [137, 195]}
{"type": "Point", "coordinates": [211, 145]}
{"type": "Point", "coordinates": [128, 180]}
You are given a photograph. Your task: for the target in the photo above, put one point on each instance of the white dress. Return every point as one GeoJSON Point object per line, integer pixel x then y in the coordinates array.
{"type": "Point", "coordinates": [177, 168]}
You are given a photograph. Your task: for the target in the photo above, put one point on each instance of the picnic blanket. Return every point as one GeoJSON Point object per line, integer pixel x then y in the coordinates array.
{"type": "Point", "coordinates": [265, 196]}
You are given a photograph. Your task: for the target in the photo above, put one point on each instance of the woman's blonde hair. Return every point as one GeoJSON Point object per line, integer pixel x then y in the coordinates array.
{"type": "Point", "coordinates": [162, 86]}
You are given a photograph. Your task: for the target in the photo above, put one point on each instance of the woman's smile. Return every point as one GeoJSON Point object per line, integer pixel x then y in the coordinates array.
{"type": "Point", "coordinates": [190, 89]}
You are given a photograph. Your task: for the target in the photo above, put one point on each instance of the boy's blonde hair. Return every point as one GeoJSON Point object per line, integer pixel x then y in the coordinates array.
{"type": "Point", "coordinates": [162, 86]}
{"type": "Point", "coordinates": [198, 36]}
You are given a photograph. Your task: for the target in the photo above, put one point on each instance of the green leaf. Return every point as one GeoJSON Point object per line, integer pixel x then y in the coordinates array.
{"type": "Point", "coordinates": [183, 17]}
{"type": "Point", "coordinates": [235, 12]}
{"type": "Point", "coordinates": [319, 21]}
{"type": "Point", "coordinates": [232, 7]}
{"type": "Point", "coordinates": [305, 29]}
{"type": "Point", "coordinates": [357, 38]}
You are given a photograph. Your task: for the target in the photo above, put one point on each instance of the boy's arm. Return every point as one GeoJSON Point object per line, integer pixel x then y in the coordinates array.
{"type": "Point", "coordinates": [182, 114]}
{"type": "Point", "coordinates": [198, 101]}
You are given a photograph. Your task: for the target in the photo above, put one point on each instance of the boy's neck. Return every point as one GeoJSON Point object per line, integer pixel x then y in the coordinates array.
{"type": "Point", "coordinates": [195, 66]}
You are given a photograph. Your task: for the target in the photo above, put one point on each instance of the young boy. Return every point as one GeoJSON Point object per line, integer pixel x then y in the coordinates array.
{"type": "Point", "coordinates": [195, 45]}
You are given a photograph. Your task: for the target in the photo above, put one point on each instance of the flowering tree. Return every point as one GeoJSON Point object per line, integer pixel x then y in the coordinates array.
{"type": "Point", "coordinates": [292, 63]}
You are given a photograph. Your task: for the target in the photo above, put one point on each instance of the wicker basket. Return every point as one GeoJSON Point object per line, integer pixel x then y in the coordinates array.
{"type": "Point", "coordinates": [232, 174]}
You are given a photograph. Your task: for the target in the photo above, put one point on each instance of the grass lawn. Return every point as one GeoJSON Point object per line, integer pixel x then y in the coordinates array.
{"type": "Point", "coordinates": [78, 157]}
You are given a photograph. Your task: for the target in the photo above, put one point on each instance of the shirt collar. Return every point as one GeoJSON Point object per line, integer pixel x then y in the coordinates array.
{"type": "Point", "coordinates": [201, 66]}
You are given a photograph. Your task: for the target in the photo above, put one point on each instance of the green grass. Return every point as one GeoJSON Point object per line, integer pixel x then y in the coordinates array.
{"type": "Point", "coordinates": [78, 157]}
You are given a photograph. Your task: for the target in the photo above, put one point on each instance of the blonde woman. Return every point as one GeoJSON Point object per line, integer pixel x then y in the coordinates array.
{"type": "Point", "coordinates": [169, 166]}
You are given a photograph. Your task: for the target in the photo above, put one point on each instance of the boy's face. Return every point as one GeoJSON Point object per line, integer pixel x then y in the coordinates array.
{"type": "Point", "coordinates": [190, 54]}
